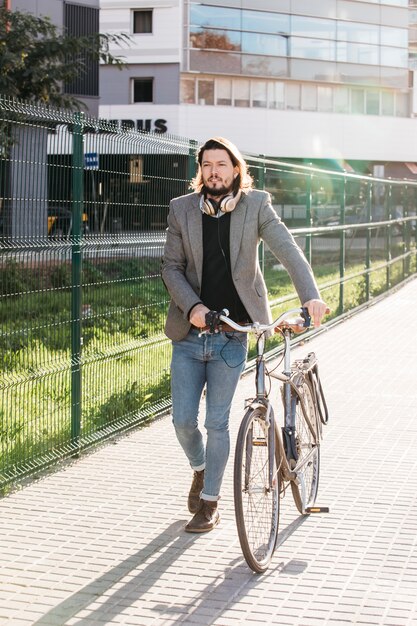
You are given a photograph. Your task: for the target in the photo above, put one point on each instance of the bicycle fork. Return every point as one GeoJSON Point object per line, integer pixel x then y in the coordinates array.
{"type": "Point", "coordinates": [288, 431]}
{"type": "Point", "coordinates": [269, 417]}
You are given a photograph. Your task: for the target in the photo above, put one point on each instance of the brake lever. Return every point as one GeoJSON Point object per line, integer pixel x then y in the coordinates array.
{"type": "Point", "coordinates": [213, 320]}
{"type": "Point", "coordinates": [306, 317]}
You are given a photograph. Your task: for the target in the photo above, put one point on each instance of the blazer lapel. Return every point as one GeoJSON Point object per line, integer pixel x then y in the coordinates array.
{"type": "Point", "coordinates": [195, 234]}
{"type": "Point", "coordinates": [237, 222]}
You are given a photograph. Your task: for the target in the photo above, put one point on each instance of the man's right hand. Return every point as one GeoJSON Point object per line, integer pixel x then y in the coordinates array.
{"type": "Point", "coordinates": [198, 315]}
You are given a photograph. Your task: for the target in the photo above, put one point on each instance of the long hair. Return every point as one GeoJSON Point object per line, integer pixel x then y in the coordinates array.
{"type": "Point", "coordinates": [243, 180]}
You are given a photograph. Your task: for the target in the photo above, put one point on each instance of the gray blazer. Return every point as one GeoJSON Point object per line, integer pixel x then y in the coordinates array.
{"type": "Point", "coordinates": [253, 219]}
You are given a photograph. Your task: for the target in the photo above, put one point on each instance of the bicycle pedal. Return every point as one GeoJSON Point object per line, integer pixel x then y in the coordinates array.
{"type": "Point", "coordinates": [317, 509]}
{"type": "Point", "coordinates": [259, 442]}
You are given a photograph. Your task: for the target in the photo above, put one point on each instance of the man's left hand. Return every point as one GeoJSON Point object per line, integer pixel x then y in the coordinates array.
{"type": "Point", "coordinates": [317, 309]}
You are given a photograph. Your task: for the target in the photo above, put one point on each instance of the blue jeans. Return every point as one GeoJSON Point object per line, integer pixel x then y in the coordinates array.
{"type": "Point", "coordinates": [216, 361]}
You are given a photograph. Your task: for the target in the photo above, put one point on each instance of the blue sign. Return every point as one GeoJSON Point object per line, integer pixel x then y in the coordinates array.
{"type": "Point", "coordinates": [91, 161]}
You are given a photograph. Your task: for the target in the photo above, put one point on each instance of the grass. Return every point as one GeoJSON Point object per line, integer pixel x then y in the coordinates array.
{"type": "Point", "coordinates": [125, 365]}
{"type": "Point", "coordinates": [125, 357]}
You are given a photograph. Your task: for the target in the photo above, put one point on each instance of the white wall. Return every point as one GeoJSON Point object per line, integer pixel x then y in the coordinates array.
{"type": "Point", "coordinates": [285, 133]}
{"type": "Point", "coordinates": [162, 46]}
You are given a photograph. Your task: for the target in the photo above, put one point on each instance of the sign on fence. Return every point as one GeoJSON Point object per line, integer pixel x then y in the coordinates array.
{"type": "Point", "coordinates": [91, 161]}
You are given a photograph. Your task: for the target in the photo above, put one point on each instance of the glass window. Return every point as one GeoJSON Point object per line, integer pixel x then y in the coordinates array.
{"type": "Point", "coordinates": [313, 49]}
{"type": "Point", "coordinates": [317, 70]}
{"type": "Point", "coordinates": [264, 66]}
{"type": "Point", "coordinates": [78, 20]}
{"type": "Point", "coordinates": [357, 32]}
{"type": "Point", "coordinates": [264, 22]}
{"type": "Point", "coordinates": [359, 74]}
{"type": "Point", "coordinates": [387, 103]}
{"type": "Point", "coordinates": [224, 91]}
{"type": "Point", "coordinates": [401, 105]}
{"type": "Point", "coordinates": [259, 93]}
{"type": "Point", "coordinates": [394, 57]}
{"type": "Point", "coordinates": [217, 62]}
{"type": "Point", "coordinates": [257, 43]}
{"type": "Point", "coordinates": [325, 98]}
{"type": "Point", "coordinates": [188, 91]}
{"type": "Point", "coordinates": [412, 59]}
{"type": "Point", "coordinates": [276, 95]}
{"type": "Point", "coordinates": [341, 100]}
{"type": "Point", "coordinates": [372, 102]}
{"type": "Point", "coordinates": [241, 91]}
{"type": "Point", "coordinates": [308, 97]}
{"type": "Point", "coordinates": [205, 91]}
{"type": "Point", "coordinates": [215, 39]}
{"type": "Point", "coordinates": [143, 90]}
{"type": "Point", "coordinates": [358, 101]}
{"type": "Point", "coordinates": [394, 77]}
{"type": "Point", "coordinates": [293, 96]}
{"type": "Point", "coordinates": [142, 21]}
{"type": "Point", "coordinates": [357, 53]}
{"type": "Point", "coordinates": [394, 36]}
{"type": "Point", "coordinates": [220, 17]}
{"type": "Point", "coordinates": [360, 11]}
{"type": "Point", "coordinates": [313, 27]}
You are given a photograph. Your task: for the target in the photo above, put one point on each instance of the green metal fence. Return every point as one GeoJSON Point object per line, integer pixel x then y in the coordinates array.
{"type": "Point", "coordinates": [83, 208]}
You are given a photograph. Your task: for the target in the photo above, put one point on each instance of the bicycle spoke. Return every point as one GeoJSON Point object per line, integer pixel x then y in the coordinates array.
{"type": "Point", "coordinates": [307, 467]}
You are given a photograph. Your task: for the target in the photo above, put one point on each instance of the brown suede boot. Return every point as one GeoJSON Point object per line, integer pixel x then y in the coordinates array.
{"type": "Point", "coordinates": [206, 518]}
{"type": "Point", "coordinates": [196, 489]}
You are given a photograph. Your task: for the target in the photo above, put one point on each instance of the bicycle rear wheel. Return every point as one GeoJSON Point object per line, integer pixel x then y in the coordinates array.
{"type": "Point", "coordinates": [307, 466]}
{"type": "Point", "coordinates": [256, 500]}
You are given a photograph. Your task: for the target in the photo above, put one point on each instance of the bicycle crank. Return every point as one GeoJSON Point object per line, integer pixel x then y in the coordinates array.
{"type": "Point", "coordinates": [317, 509]}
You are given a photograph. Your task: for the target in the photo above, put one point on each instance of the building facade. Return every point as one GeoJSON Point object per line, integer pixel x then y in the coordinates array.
{"type": "Point", "coordinates": [78, 18]}
{"type": "Point", "coordinates": [286, 78]}
{"type": "Point", "coordinates": [25, 186]}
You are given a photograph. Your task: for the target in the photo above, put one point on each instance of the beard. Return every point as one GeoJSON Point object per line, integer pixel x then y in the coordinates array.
{"type": "Point", "coordinates": [217, 192]}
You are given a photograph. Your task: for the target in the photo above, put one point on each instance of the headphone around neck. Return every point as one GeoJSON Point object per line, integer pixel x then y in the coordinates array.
{"type": "Point", "coordinates": [227, 204]}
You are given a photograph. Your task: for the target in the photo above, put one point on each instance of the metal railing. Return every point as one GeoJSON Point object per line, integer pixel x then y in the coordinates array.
{"type": "Point", "coordinates": [83, 208]}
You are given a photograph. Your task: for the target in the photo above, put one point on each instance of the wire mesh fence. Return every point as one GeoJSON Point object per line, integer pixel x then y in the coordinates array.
{"type": "Point", "coordinates": [83, 207]}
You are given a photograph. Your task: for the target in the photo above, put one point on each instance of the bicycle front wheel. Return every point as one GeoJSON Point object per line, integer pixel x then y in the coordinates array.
{"type": "Point", "coordinates": [307, 467]}
{"type": "Point", "coordinates": [256, 490]}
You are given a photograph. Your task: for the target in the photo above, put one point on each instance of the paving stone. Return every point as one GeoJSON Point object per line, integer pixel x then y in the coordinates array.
{"type": "Point", "coordinates": [102, 542]}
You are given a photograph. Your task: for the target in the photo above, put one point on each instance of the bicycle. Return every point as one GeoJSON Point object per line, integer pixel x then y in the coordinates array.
{"type": "Point", "coordinates": [265, 464]}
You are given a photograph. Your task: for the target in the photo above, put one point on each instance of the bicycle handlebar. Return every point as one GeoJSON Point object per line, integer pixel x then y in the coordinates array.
{"type": "Point", "coordinates": [214, 320]}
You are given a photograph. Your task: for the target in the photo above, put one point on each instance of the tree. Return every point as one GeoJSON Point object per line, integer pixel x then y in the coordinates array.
{"type": "Point", "coordinates": [211, 39]}
{"type": "Point", "coordinates": [36, 59]}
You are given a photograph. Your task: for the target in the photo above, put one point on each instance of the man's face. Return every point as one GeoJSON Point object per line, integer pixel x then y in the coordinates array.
{"type": "Point", "coordinates": [218, 172]}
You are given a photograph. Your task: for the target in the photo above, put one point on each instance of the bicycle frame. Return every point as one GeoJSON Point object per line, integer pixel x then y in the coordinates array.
{"type": "Point", "coordinates": [262, 399]}
{"type": "Point", "coordinates": [284, 439]}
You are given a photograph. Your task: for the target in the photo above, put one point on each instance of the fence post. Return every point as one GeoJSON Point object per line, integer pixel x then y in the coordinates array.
{"type": "Point", "coordinates": [342, 254]}
{"type": "Point", "coordinates": [414, 229]}
{"type": "Point", "coordinates": [261, 249]}
{"type": "Point", "coordinates": [308, 217]}
{"type": "Point", "coordinates": [192, 164]}
{"type": "Point", "coordinates": [76, 267]}
{"type": "Point", "coordinates": [388, 238]}
{"type": "Point", "coordinates": [368, 243]}
{"type": "Point", "coordinates": [405, 231]}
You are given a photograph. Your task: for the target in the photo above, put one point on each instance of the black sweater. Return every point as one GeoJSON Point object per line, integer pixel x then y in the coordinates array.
{"type": "Point", "coordinates": [218, 290]}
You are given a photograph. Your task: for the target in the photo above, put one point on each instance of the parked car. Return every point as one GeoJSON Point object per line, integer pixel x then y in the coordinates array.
{"type": "Point", "coordinates": [60, 222]}
{"type": "Point", "coordinates": [359, 215]}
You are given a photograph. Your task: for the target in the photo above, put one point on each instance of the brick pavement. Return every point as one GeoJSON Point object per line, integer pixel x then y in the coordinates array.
{"type": "Point", "coordinates": [101, 541]}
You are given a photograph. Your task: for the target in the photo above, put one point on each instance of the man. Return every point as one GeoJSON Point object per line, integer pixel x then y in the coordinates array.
{"type": "Point", "coordinates": [210, 263]}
